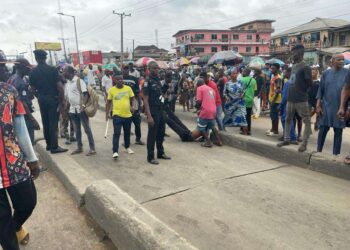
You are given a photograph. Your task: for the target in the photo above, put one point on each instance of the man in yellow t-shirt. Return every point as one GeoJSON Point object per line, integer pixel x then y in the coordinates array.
{"type": "Point", "coordinates": [118, 102]}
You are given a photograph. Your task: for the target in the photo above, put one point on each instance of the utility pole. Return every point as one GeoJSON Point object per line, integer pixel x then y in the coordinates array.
{"type": "Point", "coordinates": [133, 48]}
{"type": "Point", "coordinates": [122, 15]}
{"type": "Point", "coordinates": [64, 47]}
{"type": "Point", "coordinates": [157, 37]}
{"type": "Point", "coordinates": [62, 34]}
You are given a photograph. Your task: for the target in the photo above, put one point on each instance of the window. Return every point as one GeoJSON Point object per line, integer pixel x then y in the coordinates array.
{"type": "Point", "coordinates": [342, 39]}
{"type": "Point", "coordinates": [224, 38]}
{"type": "Point", "coordinates": [235, 37]}
{"type": "Point", "coordinates": [199, 50]}
{"type": "Point", "coordinates": [224, 47]}
{"type": "Point", "coordinates": [198, 36]}
{"type": "Point", "coordinates": [214, 36]}
{"type": "Point", "coordinates": [248, 49]}
{"type": "Point", "coordinates": [257, 49]}
{"type": "Point", "coordinates": [249, 37]}
{"type": "Point", "coordinates": [315, 36]}
{"type": "Point", "coordinates": [250, 27]}
{"type": "Point", "coordinates": [214, 49]}
{"type": "Point", "coordinates": [235, 49]}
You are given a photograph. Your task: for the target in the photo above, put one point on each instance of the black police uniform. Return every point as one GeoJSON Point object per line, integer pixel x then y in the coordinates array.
{"type": "Point", "coordinates": [153, 89]}
{"type": "Point", "coordinates": [132, 82]}
{"type": "Point", "coordinates": [44, 79]}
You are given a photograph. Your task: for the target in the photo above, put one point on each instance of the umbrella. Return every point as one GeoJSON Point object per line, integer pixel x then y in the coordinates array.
{"type": "Point", "coordinates": [144, 61]}
{"type": "Point", "coordinates": [256, 63]}
{"type": "Point", "coordinates": [195, 60]}
{"type": "Point", "coordinates": [162, 64]}
{"type": "Point", "coordinates": [275, 60]}
{"type": "Point", "coordinates": [225, 57]}
{"type": "Point", "coordinates": [346, 57]}
{"type": "Point", "coordinates": [204, 59]}
{"type": "Point", "coordinates": [182, 61]}
{"type": "Point", "coordinates": [110, 66]}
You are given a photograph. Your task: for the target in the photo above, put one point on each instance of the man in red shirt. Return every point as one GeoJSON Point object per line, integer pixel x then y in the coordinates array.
{"type": "Point", "coordinates": [205, 102]}
{"type": "Point", "coordinates": [218, 102]}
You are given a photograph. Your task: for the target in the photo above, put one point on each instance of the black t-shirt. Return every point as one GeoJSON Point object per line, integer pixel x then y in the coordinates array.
{"type": "Point", "coordinates": [259, 83]}
{"type": "Point", "coordinates": [312, 93]}
{"type": "Point", "coordinates": [347, 78]}
{"type": "Point", "coordinates": [44, 79]}
{"type": "Point", "coordinates": [299, 83]}
{"type": "Point", "coordinates": [132, 82]}
{"type": "Point", "coordinates": [154, 90]}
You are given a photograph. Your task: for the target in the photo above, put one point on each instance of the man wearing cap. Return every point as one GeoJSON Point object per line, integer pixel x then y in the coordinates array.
{"type": "Point", "coordinates": [297, 100]}
{"type": "Point", "coordinates": [154, 102]}
{"type": "Point", "coordinates": [23, 68]}
{"type": "Point", "coordinates": [44, 80]}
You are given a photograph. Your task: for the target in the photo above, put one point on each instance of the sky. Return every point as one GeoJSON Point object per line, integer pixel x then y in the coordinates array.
{"type": "Point", "coordinates": [24, 22]}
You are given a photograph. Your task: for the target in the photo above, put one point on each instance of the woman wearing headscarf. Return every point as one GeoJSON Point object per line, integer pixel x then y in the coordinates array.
{"type": "Point", "coordinates": [235, 110]}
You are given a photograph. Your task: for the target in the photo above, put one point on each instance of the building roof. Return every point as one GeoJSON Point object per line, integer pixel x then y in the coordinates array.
{"type": "Point", "coordinates": [141, 48]}
{"type": "Point", "coordinates": [315, 24]}
{"type": "Point", "coordinates": [333, 50]}
{"type": "Point", "coordinates": [199, 30]}
{"type": "Point", "coordinates": [254, 21]}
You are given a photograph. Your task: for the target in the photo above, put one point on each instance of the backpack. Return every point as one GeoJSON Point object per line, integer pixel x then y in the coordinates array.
{"type": "Point", "coordinates": [91, 105]}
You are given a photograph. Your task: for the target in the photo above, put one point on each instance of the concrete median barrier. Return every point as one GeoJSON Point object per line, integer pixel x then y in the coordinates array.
{"type": "Point", "coordinates": [128, 224]}
{"type": "Point", "coordinates": [70, 173]}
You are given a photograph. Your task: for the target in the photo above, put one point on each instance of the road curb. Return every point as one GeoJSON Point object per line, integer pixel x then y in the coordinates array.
{"type": "Point", "coordinates": [69, 172]}
{"type": "Point", "coordinates": [128, 224]}
{"type": "Point", "coordinates": [316, 162]}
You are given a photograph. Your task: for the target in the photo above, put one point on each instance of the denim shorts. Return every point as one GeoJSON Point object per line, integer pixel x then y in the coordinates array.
{"type": "Point", "coordinates": [203, 125]}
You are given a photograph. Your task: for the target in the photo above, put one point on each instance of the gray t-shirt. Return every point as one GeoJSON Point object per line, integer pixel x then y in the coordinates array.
{"type": "Point", "coordinates": [299, 83]}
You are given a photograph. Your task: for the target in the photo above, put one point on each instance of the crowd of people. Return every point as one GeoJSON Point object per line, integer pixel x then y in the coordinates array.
{"type": "Point", "coordinates": [225, 96]}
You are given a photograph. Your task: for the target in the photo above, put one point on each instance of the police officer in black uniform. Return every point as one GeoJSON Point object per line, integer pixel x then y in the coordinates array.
{"type": "Point", "coordinates": [49, 90]}
{"type": "Point", "coordinates": [154, 104]}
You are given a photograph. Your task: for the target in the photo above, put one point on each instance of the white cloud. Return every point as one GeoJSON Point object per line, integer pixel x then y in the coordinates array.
{"type": "Point", "coordinates": [23, 22]}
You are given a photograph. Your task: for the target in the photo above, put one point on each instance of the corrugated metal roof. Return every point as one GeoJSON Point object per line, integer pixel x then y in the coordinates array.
{"type": "Point", "coordinates": [315, 24]}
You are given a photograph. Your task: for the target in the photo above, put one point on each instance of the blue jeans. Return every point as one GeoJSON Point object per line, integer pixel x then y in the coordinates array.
{"type": "Point", "coordinates": [79, 119]}
{"type": "Point", "coordinates": [118, 123]}
{"type": "Point", "coordinates": [219, 117]}
{"type": "Point", "coordinates": [293, 136]}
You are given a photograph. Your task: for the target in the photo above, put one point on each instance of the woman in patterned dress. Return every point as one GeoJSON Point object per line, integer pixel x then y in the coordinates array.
{"type": "Point", "coordinates": [235, 110]}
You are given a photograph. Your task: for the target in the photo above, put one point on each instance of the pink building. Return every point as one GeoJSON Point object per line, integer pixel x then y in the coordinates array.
{"type": "Point", "coordinates": [249, 39]}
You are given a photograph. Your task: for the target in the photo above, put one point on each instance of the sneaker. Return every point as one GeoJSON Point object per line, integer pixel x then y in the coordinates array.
{"type": "Point", "coordinates": [129, 151]}
{"type": "Point", "coordinates": [302, 147]}
{"type": "Point", "coordinates": [282, 144]}
{"type": "Point", "coordinates": [271, 134]}
{"type": "Point", "coordinates": [139, 142]}
{"type": "Point", "coordinates": [115, 155]}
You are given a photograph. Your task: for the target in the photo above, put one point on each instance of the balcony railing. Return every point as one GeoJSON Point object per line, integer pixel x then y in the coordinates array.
{"type": "Point", "coordinates": [307, 45]}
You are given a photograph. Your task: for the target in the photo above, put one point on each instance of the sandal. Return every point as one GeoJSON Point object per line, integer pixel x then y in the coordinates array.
{"type": "Point", "coordinates": [22, 236]}
{"type": "Point", "coordinates": [347, 160]}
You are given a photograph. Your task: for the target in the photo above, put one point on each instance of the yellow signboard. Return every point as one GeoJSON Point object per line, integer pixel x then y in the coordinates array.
{"type": "Point", "coordinates": [48, 46]}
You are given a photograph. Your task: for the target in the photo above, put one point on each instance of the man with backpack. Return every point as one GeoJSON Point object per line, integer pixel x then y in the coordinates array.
{"type": "Point", "coordinates": [77, 96]}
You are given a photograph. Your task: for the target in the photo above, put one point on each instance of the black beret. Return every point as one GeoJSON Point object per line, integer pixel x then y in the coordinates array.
{"type": "Point", "coordinates": [40, 53]}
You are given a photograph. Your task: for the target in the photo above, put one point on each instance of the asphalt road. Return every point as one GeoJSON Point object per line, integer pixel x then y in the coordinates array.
{"type": "Point", "coordinates": [224, 198]}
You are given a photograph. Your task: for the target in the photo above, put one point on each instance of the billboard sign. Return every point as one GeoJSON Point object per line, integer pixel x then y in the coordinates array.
{"type": "Point", "coordinates": [48, 46]}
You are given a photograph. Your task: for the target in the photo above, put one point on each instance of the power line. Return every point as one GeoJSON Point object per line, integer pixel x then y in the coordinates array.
{"type": "Point", "coordinates": [96, 24]}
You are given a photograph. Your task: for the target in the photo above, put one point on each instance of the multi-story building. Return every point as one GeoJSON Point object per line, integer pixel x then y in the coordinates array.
{"type": "Point", "coordinates": [150, 51]}
{"type": "Point", "coordinates": [319, 35]}
{"type": "Point", "coordinates": [249, 39]}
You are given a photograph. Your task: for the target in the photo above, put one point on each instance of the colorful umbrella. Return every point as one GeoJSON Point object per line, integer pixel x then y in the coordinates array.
{"type": "Point", "coordinates": [204, 59]}
{"type": "Point", "coordinates": [275, 60]}
{"type": "Point", "coordinates": [162, 64]}
{"type": "Point", "coordinates": [144, 61]}
{"type": "Point", "coordinates": [256, 63]}
{"type": "Point", "coordinates": [110, 66]}
{"type": "Point", "coordinates": [346, 57]}
{"type": "Point", "coordinates": [182, 61]}
{"type": "Point", "coordinates": [225, 57]}
{"type": "Point", "coordinates": [195, 60]}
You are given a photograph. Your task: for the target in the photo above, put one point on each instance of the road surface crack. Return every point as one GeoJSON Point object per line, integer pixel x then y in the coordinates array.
{"type": "Point", "coordinates": [212, 181]}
